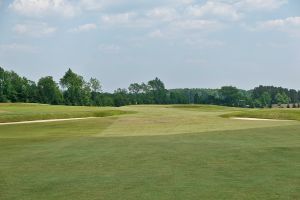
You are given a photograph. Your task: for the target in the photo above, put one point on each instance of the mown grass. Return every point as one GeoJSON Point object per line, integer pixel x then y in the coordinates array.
{"type": "Point", "coordinates": [158, 152]}
{"type": "Point", "coordinates": [30, 112]}
{"type": "Point", "coordinates": [202, 108]}
{"type": "Point", "coordinates": [282, 114]}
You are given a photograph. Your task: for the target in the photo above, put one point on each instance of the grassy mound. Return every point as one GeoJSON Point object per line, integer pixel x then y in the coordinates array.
{"type": "Point", "coordinates": [280, 114]}
{"type": "Point", "coordinates": [200, 107]}
{"type": "Point", "coordinates": [30, 112]}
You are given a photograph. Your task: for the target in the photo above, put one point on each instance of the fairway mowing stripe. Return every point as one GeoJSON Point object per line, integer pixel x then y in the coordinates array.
{"type": "Point", "coordinates": [45, 121]}
{"type": "Point", "coordinates": [258, 119]}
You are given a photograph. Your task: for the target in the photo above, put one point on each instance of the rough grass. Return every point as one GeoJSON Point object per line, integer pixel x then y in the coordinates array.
{"type": "Point", "coordinates": [282, 114]}
{"type": "Point", "coordinates": [174, 154]}
{"type": "Point", "coordinates": [30, 112]}
{"type": "Point", "coordinates": [202, 108]}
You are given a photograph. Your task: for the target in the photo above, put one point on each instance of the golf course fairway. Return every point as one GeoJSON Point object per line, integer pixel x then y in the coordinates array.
{"type": "Point", "coordinates": [149, 152]}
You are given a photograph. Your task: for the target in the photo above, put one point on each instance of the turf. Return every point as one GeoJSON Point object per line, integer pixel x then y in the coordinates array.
{"type": "Point", "coordinates": [29, 112]}
{"type": "Point", "coordinates": [156, 152]}
{"type": "Point", "coordinates": [282, 114]}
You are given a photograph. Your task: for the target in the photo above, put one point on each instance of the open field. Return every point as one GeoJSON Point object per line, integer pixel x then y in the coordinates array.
{"type": "Point", "coordinates": [148, 152]}
{"type": "Point", "coordinates": [275, 113]}
{"type": "Point", "coordinates": [27, 112]}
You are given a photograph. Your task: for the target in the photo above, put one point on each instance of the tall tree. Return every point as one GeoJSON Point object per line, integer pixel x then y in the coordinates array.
{"type": "Point", "coordinates": [77, 91]}
{"type": "Point", "coordinates": [265, 99]}
{"type": "Point", "coordinates": [95, 85]}
{"type": "Point", "coordinates": [230, 95]}
{"type": "Point", "coordinates": [2, 96]}
{"type": "Point", "coordinates": [282, 98]}
{"type": "Point", "coordinates": [158, 91]}
{"type": "Point", "coordinates": [121, 97]}
{"type": "Point", "coordinates": [196, 98]}
{"type": "Point", "coordinates": [48, 91]}
{"type": "Point", "coordinates": [135, 91]}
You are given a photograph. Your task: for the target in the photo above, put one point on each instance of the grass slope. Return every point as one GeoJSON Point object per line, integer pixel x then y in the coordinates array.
{"type": "Point", "coordinates": [30, 112]}
{"type": "Point", "coordinates": [158, 152]}
{"type": "Point", "coordinates": [282, 114]}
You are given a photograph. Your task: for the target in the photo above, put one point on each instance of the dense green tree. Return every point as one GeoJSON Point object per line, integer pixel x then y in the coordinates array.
{"type": "Point", "coordinates": [2, 96]}
{"type": "Point", "coordinates": [76, 90]}
{"type": "Point", "coordinates": [196, 98]}
{"type": "Point", "coordinates": [121, 97]}
{"type": "Point", "coordinates": [158, 91]}
{"type": "Point", "coordinates": [282, 98]}
{"type": "Point", "coordinates": [95, 85]}
{"type": "Point", "coordinates": [48, 91]}
{"type": "Point", "coordinates": [265, 99]}
{"type": "Point", "coordinates": [230, 95]}
{"type": "Point", "coordinates": [293, 95]}
{"type": "Point", "coordinates": [135, 91]}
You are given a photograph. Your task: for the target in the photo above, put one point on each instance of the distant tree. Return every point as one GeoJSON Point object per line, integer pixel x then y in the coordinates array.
{"type": "Point", "coordinates": [158, 91]}
{"type": "Point", "coordinates": [135, 88]}
{"type": "Point", "coordinates": [48, 91]}
{"type": "Point", "coordinates": [281, 98]}
{"type": "Point", "coordinates": [293, 95]}
{"type": "Point", "coordinates": [135, 91]}
{"type": "Point", "coordinates": [2, 96]}
{"type": "Point", "coordinates": [95, 85]}
{"type": "Point", "coordinates": [107, 100]}
{"type": "Point", "coordinates": [257, 103]}
{"type": "Point", "coordinates": [77, 91]}
{"type": "Point", "coordinates": [31, 91]}
{"type": "Point", "coordinates": [230, 95]}
{"type": "Point", "coordinates": [265, 99]}
{"type": "Point", "coordinates": [196, 98]}
{"type": "Point", "coordinates": [121, 97]}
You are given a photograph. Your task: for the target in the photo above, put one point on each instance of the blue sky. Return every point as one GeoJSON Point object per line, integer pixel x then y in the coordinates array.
{"type": "Point", "coordinates": [186, 43]}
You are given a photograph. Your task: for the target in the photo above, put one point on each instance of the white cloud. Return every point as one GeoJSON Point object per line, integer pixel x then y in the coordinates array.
{"type": "Point", "coordinates": [214, 8]}
{"type": "Point", "coordinates": [203, 42]}
{"type": "Point", "coordinates": [260, 4]}
{"type": "Point", "coordinates": [156, 34]}
{"type": "Point", "coordinates": [127, 19]}
{"type": "Point", "coordinates": [279, 23]}
{"type": "Point", "coordinates": [91, 5]}
{"type": "Point", "coordinates": [109, 48]}
{"type": "Point", "coordinates": [122, 18]}
{"type": "Point", "coordinates": [96, 5]}
{"type": "Point", "coordinates": [38, 8]}
{"type": "Point", "coordinates": [34, 29]}
{"type": "Point", "coordinates": [84, 28]}
{"type": "Point", "coordinates": [290, 25]}
{"type": "Point", "coordinates": [198, 24]}
{"type": "Point", "coordinates": [163, 14]}
{"type": "Point", "coordinates": [195, 61]}
{"type": "Point", "coordinates": [14, 47]}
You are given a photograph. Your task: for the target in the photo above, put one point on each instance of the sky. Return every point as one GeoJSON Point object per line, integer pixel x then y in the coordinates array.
{"type": "Point", "coordinates": [186, 43]}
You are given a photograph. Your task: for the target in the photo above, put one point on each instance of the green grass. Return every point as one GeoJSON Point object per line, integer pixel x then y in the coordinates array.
{"type": "Point", "coordinates": [282, 114]}
{"type": "Point", "coordinates": [30, 112]}
{"type": "Point", "coordinates": [156, 152]}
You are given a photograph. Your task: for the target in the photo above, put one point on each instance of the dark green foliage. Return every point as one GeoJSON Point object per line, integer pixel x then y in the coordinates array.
{"type": "Point", "coordinates": [121, 97]}
{"type": "Point", "coordinates": [230, 96]}
{"type": "Point", "coordinates": [158, 91]}
{"type": "Point", "coordinates": [48, 91]}
{"type": "Point", "coordinates": [2, 97]}
{"type": "Point", "coordinates": [196, 98]}
{"type": "Point", "coordinates": [282, 98]}
{"type": "Point", "coordinates": [76, 91]}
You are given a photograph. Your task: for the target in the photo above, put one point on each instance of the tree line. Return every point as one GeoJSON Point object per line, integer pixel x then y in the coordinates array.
{"type": "Point", "coordinates": [73, 89]}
